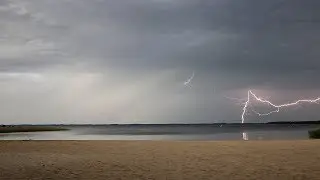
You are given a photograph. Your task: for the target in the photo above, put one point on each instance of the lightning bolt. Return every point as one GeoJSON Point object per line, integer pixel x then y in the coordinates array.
{"type": "Point", "coordinates": [251, 95]}
{"type": "Point", "coordinates": [189, 80]}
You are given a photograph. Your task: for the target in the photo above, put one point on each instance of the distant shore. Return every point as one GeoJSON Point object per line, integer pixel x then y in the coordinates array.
{"type": "Point", "coordinates": [28, 128]}
{"type": "Point", "coordinates": [171, 160]}
{"type": "Point", "coordinates": [180, 124]}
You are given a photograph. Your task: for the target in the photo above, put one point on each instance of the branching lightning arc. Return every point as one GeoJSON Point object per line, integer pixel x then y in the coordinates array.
{"type": "Point", "coordinates": [189, 80]}
{"type": "Point", "coordinates": [278, 107]}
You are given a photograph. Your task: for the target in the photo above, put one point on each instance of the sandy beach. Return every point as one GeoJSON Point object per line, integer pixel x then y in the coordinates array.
{"type": "Point", "coordinates": [101, 160]}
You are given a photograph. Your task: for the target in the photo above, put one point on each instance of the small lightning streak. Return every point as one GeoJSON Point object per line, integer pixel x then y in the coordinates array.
{"type": "Point", "coordinates": [189, 80]}
{"type": "Point", "coordinates": [278, 107]}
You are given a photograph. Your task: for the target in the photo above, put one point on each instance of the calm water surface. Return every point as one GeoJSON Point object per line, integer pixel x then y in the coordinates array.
{"type": "Point", "coordinates": [170, 132]}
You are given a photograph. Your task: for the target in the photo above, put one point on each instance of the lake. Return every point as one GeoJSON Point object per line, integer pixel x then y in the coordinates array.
{"type": "Point", "coordinates": [196, 132]}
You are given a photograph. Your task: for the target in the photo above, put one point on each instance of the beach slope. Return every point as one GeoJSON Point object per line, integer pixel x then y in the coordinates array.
{"type": "Point", "coordinates": [101, 160]}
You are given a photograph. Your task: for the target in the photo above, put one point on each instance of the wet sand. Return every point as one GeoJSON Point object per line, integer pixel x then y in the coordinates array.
{"type": "Point", "coordinates": [101, 160]}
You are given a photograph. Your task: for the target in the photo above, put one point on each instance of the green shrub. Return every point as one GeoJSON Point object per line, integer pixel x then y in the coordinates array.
{"type": "Point", "coordinates": [314, 134]}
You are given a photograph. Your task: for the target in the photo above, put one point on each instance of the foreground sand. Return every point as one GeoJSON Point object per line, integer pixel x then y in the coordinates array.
{"type": "Point", "coordinates": [101, 160]}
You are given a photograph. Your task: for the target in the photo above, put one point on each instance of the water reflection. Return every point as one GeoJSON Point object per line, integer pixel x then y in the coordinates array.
{"type": "Point", "coordinates": [245, 136]}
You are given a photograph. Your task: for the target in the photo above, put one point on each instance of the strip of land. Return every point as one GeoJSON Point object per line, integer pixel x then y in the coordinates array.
{"type": "Point", "coordinates": [101, 160]}
{"type": "Point", "coordinates": [28, 128]}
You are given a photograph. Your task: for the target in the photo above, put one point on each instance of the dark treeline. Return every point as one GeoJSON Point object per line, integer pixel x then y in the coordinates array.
{"type": "Point", "coordinates": [172, 124]}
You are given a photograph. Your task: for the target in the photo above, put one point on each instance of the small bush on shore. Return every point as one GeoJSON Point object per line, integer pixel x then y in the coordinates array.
{"type": "Point", "coordinates": [314, 134]}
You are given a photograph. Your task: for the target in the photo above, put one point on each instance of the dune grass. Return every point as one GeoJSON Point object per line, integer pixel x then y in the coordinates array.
{"type": "Point", "coordinates": [314, 134]}
{"type": "Point", "coordinates": [29, 128]}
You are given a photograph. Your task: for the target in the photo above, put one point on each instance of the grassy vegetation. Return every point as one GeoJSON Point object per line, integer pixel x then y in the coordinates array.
{"type": "Point", "coordinates": [12, 129]}
{"type": "Point", "coordinates": [315, 134]}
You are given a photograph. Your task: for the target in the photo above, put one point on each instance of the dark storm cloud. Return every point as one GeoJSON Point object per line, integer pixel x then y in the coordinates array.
{"type": "Point", "coordinates": [256, 36]}
{"type": "Point", "coordinates": [269, 34]}
{"type": "Point", "coordinates": [264, 39]}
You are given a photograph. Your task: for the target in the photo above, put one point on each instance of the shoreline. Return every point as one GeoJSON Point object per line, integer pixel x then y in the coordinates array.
{"type": "Point", "coordinates": [160, 159]}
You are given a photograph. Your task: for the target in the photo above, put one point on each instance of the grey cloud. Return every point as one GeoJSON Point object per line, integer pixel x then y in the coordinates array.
{"type": "Point", "coordinates": [231, 45]}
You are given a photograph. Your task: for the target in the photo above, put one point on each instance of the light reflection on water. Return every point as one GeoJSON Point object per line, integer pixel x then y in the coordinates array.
{"type": "Point", "coordinates": [245, 136]}
{"type": "Point", "coordinates": [170, 132]}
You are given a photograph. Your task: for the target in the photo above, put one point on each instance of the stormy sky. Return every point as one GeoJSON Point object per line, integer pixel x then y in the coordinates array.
{"type": "Point", "coordinates": [126, 61]}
